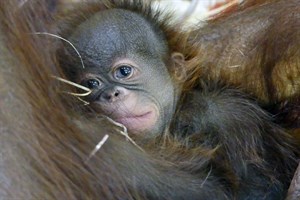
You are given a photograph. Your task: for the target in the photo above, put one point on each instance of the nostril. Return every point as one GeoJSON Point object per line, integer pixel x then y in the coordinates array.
{"type": "Point", "coordinates": [111, 95]}
{"type": "Point", "coordinates": [117, 92]}
{"type": "Point", "coordinates": [107, 96]}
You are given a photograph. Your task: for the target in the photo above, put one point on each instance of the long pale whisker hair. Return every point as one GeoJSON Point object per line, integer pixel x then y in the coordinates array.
{"type": "Point", "coordinates": [123, 132]}
{"type": "Point", "coordinates": [88, 91]}
{"type": "Point", "coordinates": [97, 147]}
{"type": "Point", "coordinates": [78, 95]}
{"type": "Point", "coordinates": [65, 40]}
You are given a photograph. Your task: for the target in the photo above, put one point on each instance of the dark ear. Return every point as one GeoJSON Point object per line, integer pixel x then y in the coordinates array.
{"type": "Point", "coordinates": [178, 69]}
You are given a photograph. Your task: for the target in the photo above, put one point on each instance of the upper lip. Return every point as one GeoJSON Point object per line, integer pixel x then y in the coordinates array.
{"type": "Point", "coordinates": [134, 115]}
{"type": "Point", "coordinates": [120, 113]}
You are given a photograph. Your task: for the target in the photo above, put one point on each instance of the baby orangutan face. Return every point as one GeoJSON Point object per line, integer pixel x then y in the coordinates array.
{"type": "Point", "coordinates": [126, 71]}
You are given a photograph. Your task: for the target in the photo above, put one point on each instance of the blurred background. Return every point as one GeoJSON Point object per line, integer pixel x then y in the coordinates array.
{"type": "Point", "coordinates": [191, 11]}
{"type": "Point", "coordinates": [194, 10]}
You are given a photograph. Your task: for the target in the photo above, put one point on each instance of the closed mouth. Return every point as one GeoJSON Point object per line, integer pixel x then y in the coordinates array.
{"type": "Point", "coordinates": [137, 123]}
{"type": "Point", "coordinates": [135, 117]}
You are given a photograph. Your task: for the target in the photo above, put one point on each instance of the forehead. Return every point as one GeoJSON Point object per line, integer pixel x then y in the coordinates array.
{"type": "Point", "coordinates": [116, 32]}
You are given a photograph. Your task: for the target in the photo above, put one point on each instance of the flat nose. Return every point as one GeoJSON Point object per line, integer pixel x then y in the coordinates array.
{"type": "Point", "coordinates": [112, 94]}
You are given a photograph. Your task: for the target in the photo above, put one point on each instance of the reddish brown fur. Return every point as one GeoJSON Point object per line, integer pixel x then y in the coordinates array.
{"type": "Point", "coordinates": [260, 55]}
{"type": "Point", "coordinates": [44, 143]}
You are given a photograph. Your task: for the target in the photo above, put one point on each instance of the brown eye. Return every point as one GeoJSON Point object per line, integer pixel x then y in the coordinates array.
{"type": "Point", "coordinates": [123, 72]}
{"type": "Point", "coordinates": [92, 83]}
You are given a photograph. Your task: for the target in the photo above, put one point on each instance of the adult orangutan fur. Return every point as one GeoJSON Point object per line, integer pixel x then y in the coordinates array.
{"type": "Point", "coordinates": [265, 62]}
{"type": "Point", "coordinates": [46, 138]}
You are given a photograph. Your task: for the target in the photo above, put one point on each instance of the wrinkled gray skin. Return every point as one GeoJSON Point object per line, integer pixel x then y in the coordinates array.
{"type": "Point", "coordinates": [115, 37]}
